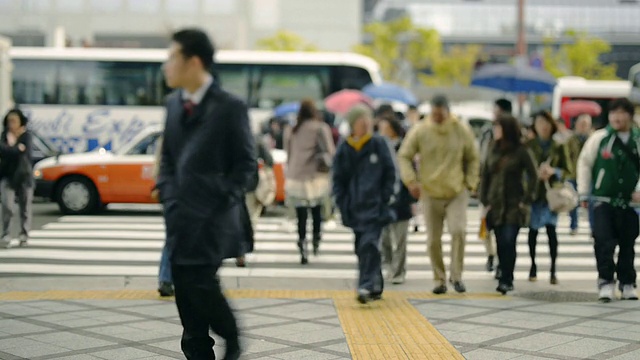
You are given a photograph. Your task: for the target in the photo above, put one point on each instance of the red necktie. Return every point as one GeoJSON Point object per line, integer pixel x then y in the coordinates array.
{"type": "Point", "coordinates": [188, 107]}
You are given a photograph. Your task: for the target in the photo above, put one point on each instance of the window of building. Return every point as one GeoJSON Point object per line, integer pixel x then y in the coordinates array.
{"type": "Point", "coordinates": [70, 6]}
{"type": "Point", "coordinates": [144, 6]}
{"type": "Point", "coordinates": [181, 7]}
{"type": "Point", "coordinates": [111, 6]}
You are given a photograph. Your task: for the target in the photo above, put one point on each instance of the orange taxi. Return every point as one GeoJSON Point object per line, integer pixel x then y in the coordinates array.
{"type": "Point", "coordinates": [85, 183]}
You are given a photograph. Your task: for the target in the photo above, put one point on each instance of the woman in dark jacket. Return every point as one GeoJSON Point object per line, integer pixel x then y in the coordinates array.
{"type": "Point", "coordinates": [16, 174]}
{"type": "Point", "coordinates": [364, 176]}
{"type": "Point", "coordinates": [394, 235]}
{"type": "Point", "coordinates": [505, 197]}
{"type": "Point", "coordinates": [553, 163]}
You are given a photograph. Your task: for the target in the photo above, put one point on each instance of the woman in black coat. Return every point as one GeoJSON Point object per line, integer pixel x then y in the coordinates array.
{"type": "Point", "coordinates": [16, 174]}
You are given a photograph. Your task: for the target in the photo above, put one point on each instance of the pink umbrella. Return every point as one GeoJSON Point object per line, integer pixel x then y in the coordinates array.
{"type": "Point", "coordinates": [342, 101]}
{"type": "Point", "coordinates": [573, 108]}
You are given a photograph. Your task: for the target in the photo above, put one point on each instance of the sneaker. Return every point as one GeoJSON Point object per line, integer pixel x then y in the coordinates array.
{"type": "Point", "coordinates": [629, 292]}
{"type": "Point", "coordinates": [5, 242]}
{"type": "Point", "coordinates": [440, 289]}
{"type": "Point", "coordinates": [397, 281]}
{"type": "Point", "coordinates": [364, 295]}
{"type": "Point", "coordinates": [459, 287]}
{"type": "Point", "coordinates": [23, 240]}
{"type": "Point", "coordinates": [166, 289]}
{"type": "Point", "coordinates": [607, 293]}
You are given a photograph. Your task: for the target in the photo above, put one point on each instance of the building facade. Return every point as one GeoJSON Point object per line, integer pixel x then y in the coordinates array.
{"type": "Point", "coordinates": [333, 25]}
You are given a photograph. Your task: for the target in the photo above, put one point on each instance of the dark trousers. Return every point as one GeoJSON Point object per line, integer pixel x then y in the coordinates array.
{"type": "Point", "coordinates": [201, 306]}
{"type": "Point", "coordinates": [302, 214]}
{"type": "Point", "coordinates": [553, 246]}
{"type": "Point", "coordinates": [506, 239]}
{"type": "Point", "coordinates": [613, 227]}
{"type": "Point", "coordinates": [369, 260]}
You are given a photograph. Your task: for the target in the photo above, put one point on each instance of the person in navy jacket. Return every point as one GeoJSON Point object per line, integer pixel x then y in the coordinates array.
{"type": "Point", "coordinates": [364, 178]}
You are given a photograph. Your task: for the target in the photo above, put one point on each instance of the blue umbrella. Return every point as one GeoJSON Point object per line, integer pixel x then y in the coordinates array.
{"type": "Point", "coordinates": [390, 92]}
{"type": "Point", "coordinates": [286, 109]}
{"type": "Point", "coordinates": [516, 79]}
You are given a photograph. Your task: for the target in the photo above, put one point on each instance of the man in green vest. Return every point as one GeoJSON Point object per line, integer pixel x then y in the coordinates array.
{"type": "Point", "coordinates": [608, 175]}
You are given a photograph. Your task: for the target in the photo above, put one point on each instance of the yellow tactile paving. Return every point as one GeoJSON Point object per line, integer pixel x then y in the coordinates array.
{"type": "Point", "coordinates": [388, 329]}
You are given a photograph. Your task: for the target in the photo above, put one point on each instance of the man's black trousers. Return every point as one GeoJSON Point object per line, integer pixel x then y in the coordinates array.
{"type": "Point", "coordinates": [201, 306]}
{"type": "Point", "coordinates": [615, 226]}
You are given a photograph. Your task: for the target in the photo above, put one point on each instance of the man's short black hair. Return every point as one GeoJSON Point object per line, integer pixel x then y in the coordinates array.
{"type": "Point", "coordinates": [413, 107]}
{"type": "Point", "coordinates": [440, 101]}
{"type": "Point", "coordinates": [504, 105]}
{"type": "Point", "coordinates": [195, 42]}
{"type": "Point", "coordinates": [624, 104]}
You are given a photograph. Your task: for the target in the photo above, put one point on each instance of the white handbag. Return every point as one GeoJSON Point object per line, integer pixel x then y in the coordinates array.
{"type": "Point", "coordinates": [562, 199]}
{"type": "Point", "coordinates": [266, 190]}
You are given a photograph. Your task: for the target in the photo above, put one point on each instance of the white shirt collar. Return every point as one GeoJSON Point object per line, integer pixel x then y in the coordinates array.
{"type": "Point", "coordinates": [197, 96]}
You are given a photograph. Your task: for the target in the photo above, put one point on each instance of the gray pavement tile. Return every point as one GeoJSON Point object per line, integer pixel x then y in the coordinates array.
{"type": "Point", "coordinates": [457, 311]}
{"type": "Point", "coordinates": [159, 326]}
{"type": "Point", "coordinates": [310, 337]}
{"type": "Point", "coordinates": [56, 318]}
{"type": "Point", "coordinates": [141, 335]}
{"type": "Point", "coordinates": [623, 335]}
{"type": "Point", "coordinates": [343, 347]}
{"type": "Point", "coordinates": [118, 303]}
{"type": "Point", "coordinates": [297, 308]}
{"type": "Point", "coordinates": [171, 345]}
{"type": "Point", "coordinates": [604, 324]}
{"type": "Point", "coordinates": [485, 354]}
{"type": "Point", "coordinates": [30, 352]}
{"type": "Point", "coordinates": [482, 334]}
{"type": "Point", "coordinates": [631, 328]}
{"type": "Point", "coordinates": [584, 348]}
{"type": "Point", "coordinates": [248, 304]}
{"type": "Point", "coordinates": [123, 354]}
{"type": "Point", "coordinates": [257, 321]}
{"type": "Point", "coordinates": [84, 323]}
{"type": "Point", "coordinates": [528, 324]}
{"type": "Point", "coordinates": [634, 355]}
{"type": "Point", "coordinates": [160, 310]}
{"type": "Point", "coordinates": [78, 357]}
{"type": "Point", "coordinates": [489, 320]}
{"type": "Point", "coordinates": [55, 306]}
{"type": "Point", "coordinates": [305, 354]}
{"type": "Point", "coordinates": [69, 340]}
{"type": "Point", "coordinates": [571, 309]}
{"type": "Point", "coordinates": [583, 330]}
{"type": "Point", "coordinates": [113, 330]}
{"type": "Point", "coordinates": [626, 316]}
{"type": "Point", "coordinates": [17, 327]}
{"type": "Point", "coordinates": [296, 328]}
{"type": "Point", "coordinates": [531, 357]}
{"type": "Point", "coordinates": [18, 342]}
{"type": "Point", "coordinates": [12, 310]}
{"type": "Point", "coordinates": [457, 326]}
{"type": "Point", "coordinates": [258, 346]}
{"type": "Point", "coordinates": [538, 342]}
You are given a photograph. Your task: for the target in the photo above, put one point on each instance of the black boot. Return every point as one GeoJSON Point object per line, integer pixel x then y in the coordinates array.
{"type": "Point", "coordinates": [316, 243]}
{"type": "Point", "coordinates": [490, 263]}
{"type": "Point", "coordinates": [302, 246]}
{"type": "Point", "coordinates": [533, 273]}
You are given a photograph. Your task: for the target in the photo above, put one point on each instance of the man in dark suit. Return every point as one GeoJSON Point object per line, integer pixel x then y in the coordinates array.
{"type": "Point", "coordinates": [207, 160]}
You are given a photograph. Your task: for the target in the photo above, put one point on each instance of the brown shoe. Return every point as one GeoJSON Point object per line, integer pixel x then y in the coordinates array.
{"type": "Point", "coordinates": [240, 262]}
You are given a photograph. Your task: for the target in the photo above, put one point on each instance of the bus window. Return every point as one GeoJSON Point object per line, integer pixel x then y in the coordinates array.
{"type": "Point", "coordinates": [234, 78]}
{"type": "Point", "coordinates": [287, 83]}
{"type": "Point", "coordinates": [349, 77]}
{"type": "Point", "coordinates": [34, 82]}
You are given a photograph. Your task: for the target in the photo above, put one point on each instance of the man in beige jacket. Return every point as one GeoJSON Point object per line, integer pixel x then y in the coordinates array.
{"type": "Point", "coordinates": [448, 170]}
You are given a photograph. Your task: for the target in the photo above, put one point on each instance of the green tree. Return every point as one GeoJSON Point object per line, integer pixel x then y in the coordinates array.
{"type": "Point", "coordinates": [579, 58]}
{"type": "Point", "coordinates": [455, 67]}
{"type": "Point", "coordinates": [285, 40]}
{"type": "Point", "coordinates": [399, 44]}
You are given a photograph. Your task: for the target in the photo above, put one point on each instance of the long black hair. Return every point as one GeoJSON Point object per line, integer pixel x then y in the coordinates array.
{"type": "Point", "coordinates": [23, 118]}
{"type": "Point", "coordinates": [511, 133]}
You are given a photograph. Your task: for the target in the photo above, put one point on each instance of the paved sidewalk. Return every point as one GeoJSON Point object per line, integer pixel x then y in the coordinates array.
{"type": "Point", "coordinates": [308, 324]}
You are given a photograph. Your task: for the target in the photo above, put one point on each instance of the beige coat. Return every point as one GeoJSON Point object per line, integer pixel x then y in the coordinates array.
{"type": "Point", "coordinates": [449, 160]}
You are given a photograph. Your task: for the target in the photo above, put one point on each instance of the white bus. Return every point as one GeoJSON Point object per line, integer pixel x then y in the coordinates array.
{"type": "Point", "coordinates": [83, 98]}
{"type": "Point", "coordinates": [634, 79]}
{"type": "Point", "coordinates": [600, 91]}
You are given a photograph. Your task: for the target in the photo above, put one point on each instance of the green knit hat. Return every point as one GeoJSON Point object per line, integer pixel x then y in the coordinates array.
{"type": "Point", "coordinates": [357, 112]}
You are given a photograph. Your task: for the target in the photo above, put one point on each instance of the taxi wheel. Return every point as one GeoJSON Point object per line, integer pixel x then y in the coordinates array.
{"type": "Point", "coordinates": [76, 195]}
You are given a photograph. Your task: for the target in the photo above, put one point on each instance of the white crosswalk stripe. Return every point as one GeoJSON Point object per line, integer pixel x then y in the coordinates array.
{"type": "Point", "coordinates": [131, 245]}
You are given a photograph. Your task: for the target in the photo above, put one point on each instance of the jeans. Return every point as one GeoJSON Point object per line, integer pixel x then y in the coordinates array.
{"type": "Point", "coordinates": [613, 226]}
{"type": "Point", "coordinates": [369, 260]}
{"type": "Point", "coordinates": [165, 266]}
{"type": "Point", "coordinates": [25, 200]}
{"type": "Point", "coordinates": [573, 214]}
{"type": "Point", "coordinates": [506, 239]}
